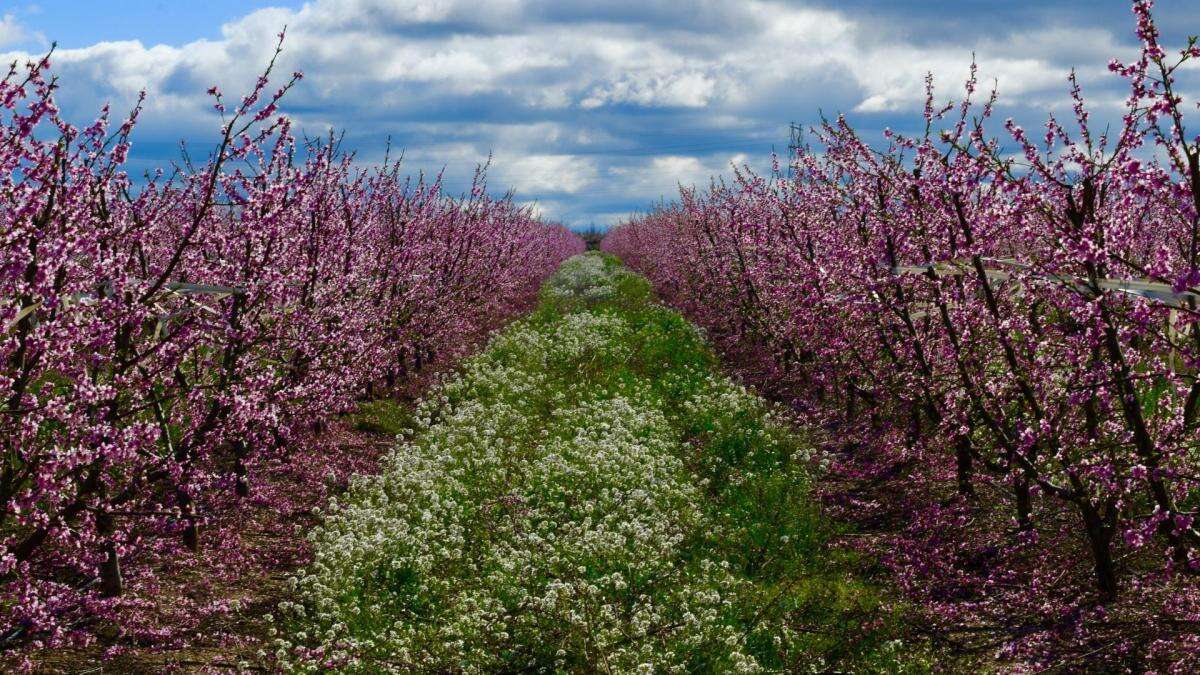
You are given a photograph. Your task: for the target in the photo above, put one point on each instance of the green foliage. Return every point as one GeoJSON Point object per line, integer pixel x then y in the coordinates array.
{"type": "Point", "coordinates": [382, 416]}
{"type": "Point", "coordinates": [588, 493]}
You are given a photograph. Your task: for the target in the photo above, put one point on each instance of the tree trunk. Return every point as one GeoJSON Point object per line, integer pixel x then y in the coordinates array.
{"type": "Point", "coordinates": [112, 584]}
{"type": "Point", "coordinates": [964, 470]}
{"type": "Point", "coordinates": [1020, 485]}
{"type": "Point", "coordinates": [191, 530]}
{"type": "Point", "coordinates": [1100, 536]}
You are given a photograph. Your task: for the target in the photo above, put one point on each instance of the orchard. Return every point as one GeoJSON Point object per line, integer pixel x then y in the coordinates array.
{"type": "Point", "coordinates": [917, 402]}
{"type": "Point", "coordinates": [1000, 350]}
{"type": "Point", "coordinates": [162, 333]}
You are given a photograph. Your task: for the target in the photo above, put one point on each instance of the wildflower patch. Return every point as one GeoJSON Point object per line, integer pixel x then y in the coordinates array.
{"type": "Point", "coordinates": [588, 492]}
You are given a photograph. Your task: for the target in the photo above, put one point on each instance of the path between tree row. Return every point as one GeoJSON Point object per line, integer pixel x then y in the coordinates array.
{"type": "Point", "coordinates": [589, 493]}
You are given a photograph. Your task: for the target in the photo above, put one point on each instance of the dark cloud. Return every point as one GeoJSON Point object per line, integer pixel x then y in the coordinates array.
{"type": "Point", "coordinates": [967, 21]}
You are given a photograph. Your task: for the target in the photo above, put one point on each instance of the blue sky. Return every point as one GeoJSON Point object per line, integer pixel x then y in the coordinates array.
{"type": "Point", "coordinates": [593, 109]}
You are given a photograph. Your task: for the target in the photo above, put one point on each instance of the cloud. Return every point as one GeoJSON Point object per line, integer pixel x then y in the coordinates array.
{"type": "Point", "coordinates": [590, 106]}
{"type": "Point", "coordinates": [692, 89]}
{"type": "Point", "coordinates": [540, 174]}
{"type": "Point", "coordinates": [12, 32]}
{"type": "Point", "coordinates": [686, 170]}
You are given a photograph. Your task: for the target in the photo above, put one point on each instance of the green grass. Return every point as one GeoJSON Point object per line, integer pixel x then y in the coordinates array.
{"type": "Point", "coordinates": [589, 493]}
{"type": "Point", "coordinates": [382, 416]}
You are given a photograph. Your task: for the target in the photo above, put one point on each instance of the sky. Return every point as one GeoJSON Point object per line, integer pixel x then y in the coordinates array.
{"type": "Point", "coordinates": [592, 110]}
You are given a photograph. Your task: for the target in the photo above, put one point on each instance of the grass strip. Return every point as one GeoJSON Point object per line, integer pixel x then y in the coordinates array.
{"type": "Point", "coordinates": [587, 494]}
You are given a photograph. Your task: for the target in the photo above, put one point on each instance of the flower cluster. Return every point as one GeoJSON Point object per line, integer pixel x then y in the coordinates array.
{"type": "Point", "coordinates": [159, 336]}
{"type": "Point", "coordinates": [1008, 343]}
{"type": "Point", "coordinates": [548, 513]}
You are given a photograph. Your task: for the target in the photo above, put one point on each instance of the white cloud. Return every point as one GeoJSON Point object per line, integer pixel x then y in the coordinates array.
{"type": "Point", "coordinates": [11, 31]}
{"type": "Point", "coordinates": [355, 49]}
{"type": "Point", "coordinates": [662, 174]}
{"type": "Point", "coordinates": [531, 174]}
{"type": "Point", "coordinates": [544, 83]}
{"type": "Point", "coordinates": [687, 89]}
{"type": "Point", "coordinates": [688, 170]}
